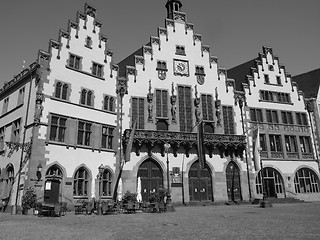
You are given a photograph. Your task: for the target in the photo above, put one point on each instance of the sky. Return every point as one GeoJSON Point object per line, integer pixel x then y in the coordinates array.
{"type": "Point", "coordinates": [235, 30]}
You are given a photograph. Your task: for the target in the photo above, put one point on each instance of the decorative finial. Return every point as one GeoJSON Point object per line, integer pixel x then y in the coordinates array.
{"type": "Point", "coordinates": [216, 90]}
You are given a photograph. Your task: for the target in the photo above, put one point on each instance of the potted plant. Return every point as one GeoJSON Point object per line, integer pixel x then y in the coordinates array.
{"type": "Point", "coordinates": [29, 200]}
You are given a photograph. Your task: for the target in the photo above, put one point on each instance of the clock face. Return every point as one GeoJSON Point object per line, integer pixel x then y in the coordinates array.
{"type": "Point", "coordinates": [181, 68]}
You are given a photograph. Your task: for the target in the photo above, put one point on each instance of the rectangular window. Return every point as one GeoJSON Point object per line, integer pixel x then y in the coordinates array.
{"type": "Point", "coordinates": [180, 50]}
{"type": "Point", "coordinates": [185, 108]}
{"type": "Point", "coordinates": [272, 116]}
{"type": "Point", "coordinates": [107, 137]}
{"type": "Point", "coordinates": [58, 128]}
{"type": "Point", "coordinates": [291, 144]}
{"type": "Point", "coordinates": [21, 96]}
{"type": "Point", "coordinates": [275, 96]}
{"type": "Point", "coordinates": [200, 70]}
{"type": "Point", "coordinates": [256, 115]}
{"type": "Point", "coordinates": [275, 143]}
{"type": "Point", "coordinates": [138, 111]}
{"type": "Point", "coordinates": [161, 65]}
{"type": "Point", "coordinates": [278, 80]}
{"type": "Point", "coordinates": [86, 97]}
{"type": "Point", "coordinates": [305, 144]}
{"type": "Point", "coordinates": [162, 103]}
{"type": "Point", "coordinates": [263, 143]}
{"type": "Point", "coordinates": [84, 133]}
{"type": "Point", "coordinates": [97, 69]}
{"type": "Point", "coordinates": [266, 78]}
{"type": "Point", "coordinates": [16, 130]}
{"type": "Point", "coordinates": [228, 119]}
{"type": "Point", "coordinates": [301, 119]}
{"type": "Point", "coordinates": [108, 103]}
{"type": "Point", "coordinates": [287, 117]}
{"type": "Point", "coordinates": [5, 105]}
{"type": "Point", "coordinates": [74, 61]}
{"type": "Point", "coordinates": [207, 107]}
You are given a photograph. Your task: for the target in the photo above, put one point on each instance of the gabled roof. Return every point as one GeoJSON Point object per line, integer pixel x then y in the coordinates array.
{"type": "Point", "coordinates": [309, 83]}
{"type": "Point", "coordinates": [240, 72]}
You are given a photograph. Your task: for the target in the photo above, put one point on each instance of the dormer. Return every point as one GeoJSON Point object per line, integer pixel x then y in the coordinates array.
{"type": "Point", "coordinates": [173, 6]}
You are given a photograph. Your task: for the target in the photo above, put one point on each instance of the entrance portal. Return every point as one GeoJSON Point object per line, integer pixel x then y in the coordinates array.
{"type": "Point", "coordinates": [233, 182]}
{"type": "Point", "coordinates": [273, 182]}
{"type": "Point", "coordinates": [52, 184]}
{"type": "Point", "coordinates": [200, 183]}
{"type": "Point", "coordinates": [151, 178]}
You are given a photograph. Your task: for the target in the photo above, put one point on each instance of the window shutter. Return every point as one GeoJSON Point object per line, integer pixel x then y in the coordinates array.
{"type": "Point", "coordinates": [72, 126]}
{"type": "Point", "coordinates": [97, 131]}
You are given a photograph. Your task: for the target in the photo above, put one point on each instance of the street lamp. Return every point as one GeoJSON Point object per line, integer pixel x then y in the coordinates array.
{"type": "Point", "coordinates": [101, 170]}
{"type": "Point", "coordinates": [167, 148]}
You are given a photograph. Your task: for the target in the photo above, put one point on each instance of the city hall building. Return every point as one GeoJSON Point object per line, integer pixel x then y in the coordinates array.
{"type": "Point", "coordinates": [73, 113]}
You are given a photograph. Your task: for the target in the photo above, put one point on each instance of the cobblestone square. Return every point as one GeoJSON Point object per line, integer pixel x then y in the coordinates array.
{"type": "Point", "coordinates": [283, 221]}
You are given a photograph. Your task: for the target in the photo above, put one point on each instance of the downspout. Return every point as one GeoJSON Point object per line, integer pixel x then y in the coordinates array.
{"type": "Point", "coordinates": [14, 210]}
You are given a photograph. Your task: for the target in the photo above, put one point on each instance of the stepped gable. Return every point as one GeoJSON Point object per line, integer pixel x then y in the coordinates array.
{"type": "Point", "coordinates": [128, 65]}
{"type": "Point", "coordinates": [243, 74]}
{"type": "Point", "coordinates": [309, 83]}
{"type": "Point", "coordinates": [85, 21]}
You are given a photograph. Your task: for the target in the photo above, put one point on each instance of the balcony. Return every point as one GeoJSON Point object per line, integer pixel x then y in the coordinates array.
{"type": "Point", "coordinates": [227, 145]}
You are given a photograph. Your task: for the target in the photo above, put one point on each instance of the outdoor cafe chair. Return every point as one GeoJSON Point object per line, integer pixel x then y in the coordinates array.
{"type": "Point", "coordinates": [63, 208]}
{"type": "Point", "coordinates": [89, 208]}
{"type": "Point", "coordinates": [56, 212]}
{"type": "Point", "coordinates": [105, 208]}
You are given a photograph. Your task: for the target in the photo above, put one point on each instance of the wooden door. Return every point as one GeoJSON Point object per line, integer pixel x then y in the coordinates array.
{"type": "Point", "coordinates": [52, 191]}
{"type": "Point", "coordinates": [233, 182]}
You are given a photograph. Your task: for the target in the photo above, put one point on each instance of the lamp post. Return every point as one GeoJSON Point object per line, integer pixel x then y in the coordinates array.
{"type": "Point", "coordinates": [101, 170]}
{"type": "Point", "coordinates": [167, 148]}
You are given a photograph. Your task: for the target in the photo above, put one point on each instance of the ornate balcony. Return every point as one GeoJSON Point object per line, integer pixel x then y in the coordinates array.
{"type": "Point", "coordinates": [227, 145]}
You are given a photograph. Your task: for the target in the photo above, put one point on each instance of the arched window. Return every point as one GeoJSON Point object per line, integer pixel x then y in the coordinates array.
{"type": "Point", "coordinates": [273, 182]}
{"type": "Point", "coordinates": [80, 182]}
{"type": "Point", "coordinates": [106, 183]}
{"type": "Point", "coordinates": [64, 91]}
{"type": "Point", "coordinates": [89, 98]}
{"type": "Point", "coordinates": [306, 181]}
{"type": "Point", "coordinates": [54, 171]}
{"type": "Point", "coordinates": [111, 104]}
{"type": "Point", "coordinates": [58, 90]}
{"type": "Point", "coordinates": [83, 96]}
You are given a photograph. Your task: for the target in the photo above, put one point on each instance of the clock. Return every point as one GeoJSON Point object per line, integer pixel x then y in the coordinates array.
{"type": "Point", "coordinates": [181, 68]}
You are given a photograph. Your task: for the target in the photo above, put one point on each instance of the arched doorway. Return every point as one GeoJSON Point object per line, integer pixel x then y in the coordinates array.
{"type": "Point", "coordinates": [233, 182]}
{"type": "Point", "coordinates": [273, 182]}
{"type": "Point", "coordinates": [200, 183]}
{"type": "Point", "coordinates": [151, 178]}
{"type": "Point", "coordinates": [52, 184]}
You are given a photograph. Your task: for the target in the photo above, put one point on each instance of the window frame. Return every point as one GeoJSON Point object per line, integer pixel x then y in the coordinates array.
{"type": "Point", "coordinates": [84, 135]}
{"type": "Point", "coordinates": [58, 131]}
{"type": "Point", "coordinates": [107, 137]}
{"type": "Point", "coordinates": [74, 61]}
{"type": "Point", "coordinates": [81, 183]}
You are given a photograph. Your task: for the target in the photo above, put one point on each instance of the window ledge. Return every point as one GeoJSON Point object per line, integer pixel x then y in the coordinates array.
{"type": "Point", "coordinates": [162, 69]}
{"type": "Point", "coordinates": [273, 84]}
{"type": "Point", "coordinates": [181, 54]}
{"type": "Point", "coordinates": [260, 100]}
{"type": "Point", "coordinates": [12, 110]}
{"type": "Point", "coordinates": [80, 71]}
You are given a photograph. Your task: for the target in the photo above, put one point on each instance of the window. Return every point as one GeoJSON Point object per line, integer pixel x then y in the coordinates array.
{"type": "Point", "coordinates": [138, 112]}
{"type": "Point", "coordinates": [88, 42]}
{"type": "Point", "coordinates": [301, 119]}
{"type": "Point", "coordinates": [272, 116]}
{"type": "Point", "coordinates": [162, 125]}
{"type": "Point", "coordinates": [256, 115]}
{"type": "Point", "coordinates": [271, 68]}
{"type": "Point", "coordinates": [180, 50]}
{"type": "Point", "coordinates": [54, 171]}
{"type": "Point", "coordinates": [86, 97]}
{"type": "Point", "coordinates": [263, 143]}
{"type": "Point", "coordinates": [80, 182]}
{"type": "Point", "coordinates": [108, 103]}
{"type": "Point", "coordinates": [278, 80]}
{"type": "Point", "coordinates": [162, 103]}
{"type": "Point", "coordinates": [74, 61]}
{"type": "Point", "coordinates": [2, 132]}
{"type": "Point", "coordinates": [266, 78]}
{"type": "Point", "coordinates": [200, 70]}
{"type": "Point", "coordinates": [5, 105]}
{"type": "Point", "coordinates": [291, 144]}
{"type": "Point", "coordinates": [106, 183]}
{"type": "Point", "coordinates": [270, 175]}
{"type": "Point", "coordinates": [305, 144]}
{"type": "Point", "coordinates": [84, 133]}
{"type": "Point", "coordinates": [287, 117]}
{"type": "Point", "coordinates": [21, 96]}
{"type": "Point", "coordinates": [306, 181]}
{"type": "Point", "coordinates": [161, 65]}
{"type": "Point", "coordinates": [16, 129]}
{"type": "Point", "coordinates": [97, 69]}
{"type": "Point", "coordinates": [228, 119]}
{"type": "Point", "coordinates": [58, 128]}
{"type": "Point", "coordinates": [207, 107]}
{"type": "Point", "coordinates": [275, 96]}
{"type": "Point", "coordinates": [61, 90]}
{"type": "Point", "coordinates": [107, 137]}
{"type": "Point", "coordinates": [185, 108]}
{"type": "Point", "coordinates": [275, 143]}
